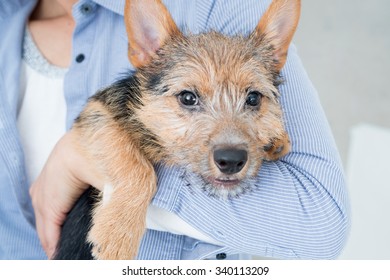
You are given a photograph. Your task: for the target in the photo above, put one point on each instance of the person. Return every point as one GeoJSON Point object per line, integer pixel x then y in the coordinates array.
{"type": "Point", "coordinates": [56, 53]}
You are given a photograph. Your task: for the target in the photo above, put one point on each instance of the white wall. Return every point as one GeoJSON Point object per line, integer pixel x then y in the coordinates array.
{"type": "Point", "coordinates": [368, 176]}
{"type": "Point", "coordinates": [345, 47]}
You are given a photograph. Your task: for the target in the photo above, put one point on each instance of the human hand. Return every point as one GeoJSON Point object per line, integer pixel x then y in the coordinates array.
{"type": "Point", "coordinates": [67, 173]}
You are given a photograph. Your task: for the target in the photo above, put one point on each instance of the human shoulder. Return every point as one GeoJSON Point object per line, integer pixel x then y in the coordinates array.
{"type": "Point", "coordinates": [229, 17]}
{"type": "Point", "coordinates": [235, 16]}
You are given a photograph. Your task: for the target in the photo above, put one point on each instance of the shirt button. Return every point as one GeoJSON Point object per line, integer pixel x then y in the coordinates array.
{"type": "Point", "coordinates": [80, 58]}
{"type": "Point", "coordinates": [86, 9]}
{"type": "Point", "coordinates": [220, 256]}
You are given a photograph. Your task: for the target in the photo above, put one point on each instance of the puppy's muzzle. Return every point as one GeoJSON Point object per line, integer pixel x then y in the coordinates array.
{"type": "Point", "coordinates": [230, 161]}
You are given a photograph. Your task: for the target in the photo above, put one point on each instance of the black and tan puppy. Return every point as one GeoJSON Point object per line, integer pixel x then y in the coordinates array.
{"type": "Point", "coordinates": [206, 102]}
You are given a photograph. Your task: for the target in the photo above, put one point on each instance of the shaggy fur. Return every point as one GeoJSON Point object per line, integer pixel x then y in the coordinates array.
{"type": "Point", "coordinates": [190, 97]}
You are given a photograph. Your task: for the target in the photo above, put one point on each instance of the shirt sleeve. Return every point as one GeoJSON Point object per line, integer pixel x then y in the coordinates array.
{"type": "Point", "coordinates": [299, 206]}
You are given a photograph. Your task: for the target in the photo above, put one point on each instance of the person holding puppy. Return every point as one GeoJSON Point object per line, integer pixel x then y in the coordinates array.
{"type": "Point", "coordinates": [70, 49]}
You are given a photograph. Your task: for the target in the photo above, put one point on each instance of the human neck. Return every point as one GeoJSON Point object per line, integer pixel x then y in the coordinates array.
{"type": "Point", "coordinates": [51, 25]}
{"type": "Point", "coordinates": [48, 9]}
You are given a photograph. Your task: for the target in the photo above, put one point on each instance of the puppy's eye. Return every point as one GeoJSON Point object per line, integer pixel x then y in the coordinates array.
{"type": "Point", "coordinates": [253, 99]}
{"type": "Point", "coordinates": [188, 98]}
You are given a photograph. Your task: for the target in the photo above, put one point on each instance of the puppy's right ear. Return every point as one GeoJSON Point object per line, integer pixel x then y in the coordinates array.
{"type": "Point", "coordinates": [148, 25]}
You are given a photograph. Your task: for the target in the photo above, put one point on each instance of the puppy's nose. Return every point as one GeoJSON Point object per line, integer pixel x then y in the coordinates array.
{"type": "Point", "coordinates": [230, 161]}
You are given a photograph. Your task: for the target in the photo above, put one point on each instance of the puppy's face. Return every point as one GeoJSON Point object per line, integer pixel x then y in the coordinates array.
{"type": "Point", "coordinates": [212, 101]}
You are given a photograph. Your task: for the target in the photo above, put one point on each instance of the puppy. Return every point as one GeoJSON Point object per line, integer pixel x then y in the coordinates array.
{"type": "Point", "coordinates": [206, 102]}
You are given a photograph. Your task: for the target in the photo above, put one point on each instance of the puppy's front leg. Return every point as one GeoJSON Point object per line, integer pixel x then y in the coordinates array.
{"type": "Point", "coordinates": [118, 223]}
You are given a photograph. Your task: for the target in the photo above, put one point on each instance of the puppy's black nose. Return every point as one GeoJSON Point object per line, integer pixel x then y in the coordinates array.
{"type": "Point", "coordinates": [230, 161]}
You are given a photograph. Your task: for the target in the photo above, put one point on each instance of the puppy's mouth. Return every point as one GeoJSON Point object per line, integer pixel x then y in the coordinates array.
{"type": "Point", "coordinates": [224, 183]}
{"type": "Point", "coordinates": [224, 187]}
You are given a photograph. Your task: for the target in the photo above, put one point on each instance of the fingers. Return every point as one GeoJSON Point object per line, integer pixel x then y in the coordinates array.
{"type": "Point", "coordinates": [49, 235]}
{"type": "Point", "coordinates": [48, 229]}
{"type": "Point", "coordinates": [50, 207]}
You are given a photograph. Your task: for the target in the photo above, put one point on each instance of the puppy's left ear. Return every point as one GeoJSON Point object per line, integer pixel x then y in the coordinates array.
{"type": "Point", "coordinates": [149, 25]}
{"type": "Point", "coordinates": [277, 27]}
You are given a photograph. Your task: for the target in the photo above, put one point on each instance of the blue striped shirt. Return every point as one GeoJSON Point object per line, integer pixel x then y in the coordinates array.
{"type": "Point", "coordinates": [299, 208]}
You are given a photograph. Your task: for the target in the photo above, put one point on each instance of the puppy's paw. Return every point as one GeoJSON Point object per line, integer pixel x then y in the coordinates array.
{"type": "Point", "coordinates": [114, 241]}
{"type": "Point", "coordinates": [277, 148]}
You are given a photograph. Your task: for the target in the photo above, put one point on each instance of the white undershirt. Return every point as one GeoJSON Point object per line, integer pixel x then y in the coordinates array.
{"type": "Point", "coordinates": [41, 121]}
{"type": "Point", "coordinates": [41, 117]}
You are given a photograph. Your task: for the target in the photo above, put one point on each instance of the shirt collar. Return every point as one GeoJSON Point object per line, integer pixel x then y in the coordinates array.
{"type": "Point", "coordinates": [117, 6]}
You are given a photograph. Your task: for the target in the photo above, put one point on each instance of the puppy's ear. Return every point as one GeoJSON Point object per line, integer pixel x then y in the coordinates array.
{"type": "Point", "coordinates": [149, 25]}
{"type": "Point", "coordinates": [277, 27]}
